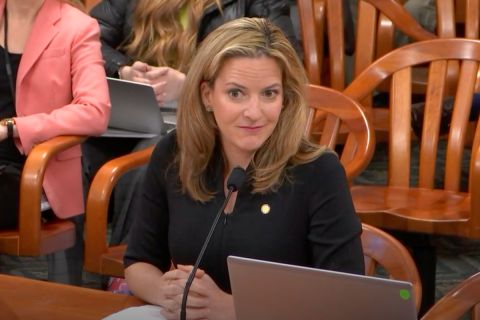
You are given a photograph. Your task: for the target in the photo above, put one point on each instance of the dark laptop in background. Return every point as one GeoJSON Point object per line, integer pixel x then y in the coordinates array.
{"type": "Point", "coordinates": [267, 290]}
{"type": "Point", "coordinates": [135, 112]}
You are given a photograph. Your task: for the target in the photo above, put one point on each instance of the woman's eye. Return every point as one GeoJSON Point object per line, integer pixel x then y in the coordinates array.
{"type": "Point", "coordinates": [234, 93]}
{"type": "Point", "coordinates": [270, 93]}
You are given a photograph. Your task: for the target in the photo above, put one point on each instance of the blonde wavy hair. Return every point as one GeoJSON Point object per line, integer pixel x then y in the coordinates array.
{"type": "Point", "coordinates": [197, 132]}
{"type": "Point", "coordinates": [158, 37]}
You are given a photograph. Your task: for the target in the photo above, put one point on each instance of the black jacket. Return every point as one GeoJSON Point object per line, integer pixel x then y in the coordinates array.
{"type": "Point", "coordinates": [115, 20]}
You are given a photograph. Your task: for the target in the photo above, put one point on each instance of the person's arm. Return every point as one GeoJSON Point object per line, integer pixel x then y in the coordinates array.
{"type": "Point", "coordinates": [82, 86]}
{"type": "Point", "coordinates": [145, 281]}
{"type": "Point", "coordinates": [151, 285]}
{"type": "Point", "coordinates": [147, 258]}
{"type": "Point", "coordinates": [112, 17]}
{"type": "Point", "coordinates": [335, 228]}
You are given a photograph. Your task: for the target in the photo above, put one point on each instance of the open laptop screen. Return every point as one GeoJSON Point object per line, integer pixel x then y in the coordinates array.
{"type": "Point", "coordinates": [134, 107]}
{"type": "Point", "coordinates": [268, 290]}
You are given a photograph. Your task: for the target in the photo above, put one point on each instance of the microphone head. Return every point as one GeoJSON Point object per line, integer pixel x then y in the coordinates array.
{"type": "Point", "coordinates": [236, 179]}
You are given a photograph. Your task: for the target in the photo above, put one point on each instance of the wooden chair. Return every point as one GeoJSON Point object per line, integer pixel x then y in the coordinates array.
{"type": "Point", "coordinates": [99, 256]}
{"type": "Point", "coordinates": [376, 20]}
{"type": "Point", "coordinates": [461, 300]}
{"type": "Point", "coordinates": [382, 250]}
{"type": "Point", "coordinates": [376, 23]}
{"type": "Point", "coordinates": [34, 238]}
{"type": "Point", "coordinates": [357, 152]}
{"type": "Point", "coordinates": [338, 110]}
{"type": "Point", "coordinates": [424, 208]}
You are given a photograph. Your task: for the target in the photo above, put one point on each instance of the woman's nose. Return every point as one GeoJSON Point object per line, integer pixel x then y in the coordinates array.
{"type": "Point", "coordinates": [253, 108]}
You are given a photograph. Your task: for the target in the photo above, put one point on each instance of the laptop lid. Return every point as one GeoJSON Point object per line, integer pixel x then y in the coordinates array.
{"type": "Point", "coordinates": [267, 290]}
{"type": "Point", "coordinates": [134, 108]}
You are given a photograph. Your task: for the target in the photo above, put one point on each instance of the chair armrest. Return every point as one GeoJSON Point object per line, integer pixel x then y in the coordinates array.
{"type": "Point", "coordinates": [31, 190]}
{"type": "Point", "coordinates": [98, 201]}
{"type": "Point", "coordinates": [360, 144]}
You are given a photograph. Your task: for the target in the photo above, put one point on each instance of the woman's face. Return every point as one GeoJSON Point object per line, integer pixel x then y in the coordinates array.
{"type": "Point", "coordinates": [246, 101]}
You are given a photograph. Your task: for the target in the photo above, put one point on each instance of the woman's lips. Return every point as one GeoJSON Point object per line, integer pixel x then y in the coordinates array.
{"type": "Point", "coordinates": [251, 128]}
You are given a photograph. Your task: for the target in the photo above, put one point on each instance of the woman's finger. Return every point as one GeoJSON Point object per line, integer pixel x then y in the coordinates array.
{"type": "Point", "coordinates": [188, 269]}
{"type": "Point", "coordinates": [140, 79]}
{"type": "Point", "coordinates": [159, 87]}
{"type": "Point", "coordinates": [140, 66]}
{"type": "Point", "coordinates": [157, 72]}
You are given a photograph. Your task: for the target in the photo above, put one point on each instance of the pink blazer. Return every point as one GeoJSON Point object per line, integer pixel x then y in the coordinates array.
{"type": "Point", "coordinates": [61, 89]}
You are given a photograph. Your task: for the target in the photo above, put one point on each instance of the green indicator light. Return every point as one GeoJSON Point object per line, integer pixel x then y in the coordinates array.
{"type": "Point", "coordinates": [404, 294]}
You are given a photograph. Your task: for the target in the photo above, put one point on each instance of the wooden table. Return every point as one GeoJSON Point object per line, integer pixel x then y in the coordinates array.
{"type": "Point", "coordinates": [22, 298]}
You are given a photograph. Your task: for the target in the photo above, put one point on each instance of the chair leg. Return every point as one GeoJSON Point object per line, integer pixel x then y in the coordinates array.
{"type": "Point", "coordinates": [425, 256]}
{"type": "Point", "coordinates": [67, 266]}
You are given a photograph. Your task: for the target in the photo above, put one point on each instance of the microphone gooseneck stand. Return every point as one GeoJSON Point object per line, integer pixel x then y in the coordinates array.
{"type": "Point", "coordinates": [234, 182]}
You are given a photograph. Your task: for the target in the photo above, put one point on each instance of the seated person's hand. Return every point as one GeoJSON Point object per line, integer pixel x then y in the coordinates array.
{"type": "Point", "coordinates": [205, 299]}
{"type": "Point", "coordinates": [3, 133]}
{"type": "Point", "coordinates": [173, 285]}
{"type": "Point", "coordinates": [136, 72]}
{"type": "Point", "coordinates": [167, 83]}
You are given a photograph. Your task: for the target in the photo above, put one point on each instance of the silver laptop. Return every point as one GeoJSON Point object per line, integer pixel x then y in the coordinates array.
{"type": "Point", "coordinates": [135, 111]}
{"type": "Point", "coordinates": [267, 290]}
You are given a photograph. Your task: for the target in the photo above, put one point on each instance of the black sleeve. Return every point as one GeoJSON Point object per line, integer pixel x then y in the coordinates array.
{"type": "Point", "coordinates": [112, 18]}
{"type": "Point", "coordinates": [148, 237]}
{"type": "Point", "coordinates": [277, 11]}
{"type": "Point", "coordinates": [335, 228]}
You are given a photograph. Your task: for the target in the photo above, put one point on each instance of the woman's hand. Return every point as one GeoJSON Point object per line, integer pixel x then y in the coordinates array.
{"type": "Point", "coordinates": [172, 285]}
{"type": "Point", "coordinates": [205, 299]}
{"type": "Point", "coordinates": [167, 83]}
{"type": "Point", "coordinates": [136, 72]}
{"type": "Point", "coordinates": [3, 133]}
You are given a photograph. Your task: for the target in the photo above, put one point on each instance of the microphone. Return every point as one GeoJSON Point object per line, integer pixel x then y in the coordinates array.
{"type": "Point", "coordinates": [234, 182]}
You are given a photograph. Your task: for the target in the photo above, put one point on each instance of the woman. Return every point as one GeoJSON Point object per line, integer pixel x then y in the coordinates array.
{"type": "Point", "coordinates": [242, 105]}
{"type": "Point", "coordinates": [153, 41]}
{"type": "Point", "coordinates": [52, 82]}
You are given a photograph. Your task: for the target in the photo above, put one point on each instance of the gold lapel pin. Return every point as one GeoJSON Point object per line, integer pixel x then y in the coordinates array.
{"type": "Point", "coordinates": [265, 208]}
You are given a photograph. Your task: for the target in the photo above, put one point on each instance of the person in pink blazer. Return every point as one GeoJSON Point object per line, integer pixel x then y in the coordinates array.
{"type": "Point", "coordinates": [52, 83]}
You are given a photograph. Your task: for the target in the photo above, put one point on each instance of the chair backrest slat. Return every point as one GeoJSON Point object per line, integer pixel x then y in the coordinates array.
{"type": "Point", "coordinates": [457, 133]}
{"type": "Point", "coordinates": [366, 34]}
{"type": "Point", "coordinates": [336, 45]}
{"type": "Point", "coordinates": [400, 136]}
{"type": "Point", "coordinates": [431, 123]}
{"type": "Point", "coordinates": [385, 35]}
{"type": "Point", "coordinates": [472, 19]}
{"type": "Point", "coordinates": [446, 19]}
{"type": "Point", "coordinates": [312, 19]}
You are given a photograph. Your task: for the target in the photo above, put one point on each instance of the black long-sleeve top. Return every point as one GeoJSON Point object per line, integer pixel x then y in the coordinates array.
{"type": "Point", "coordinates": [311, 221]}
